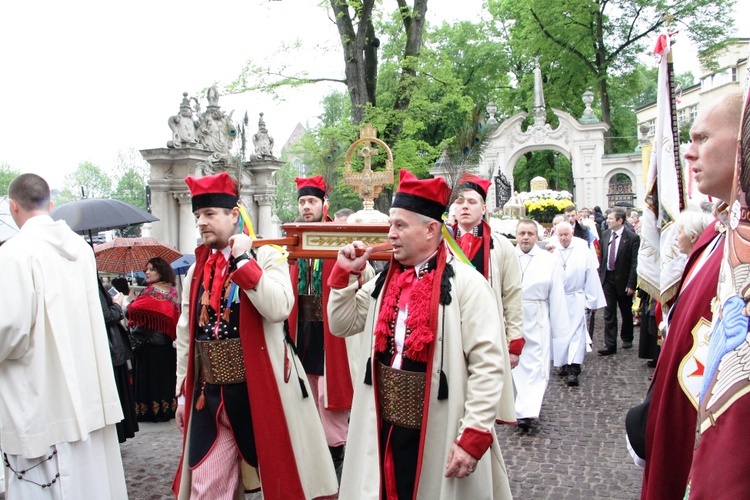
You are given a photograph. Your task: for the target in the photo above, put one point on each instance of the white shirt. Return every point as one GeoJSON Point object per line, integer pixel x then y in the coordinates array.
{"type": "Point", "coordinates": [616, 244]}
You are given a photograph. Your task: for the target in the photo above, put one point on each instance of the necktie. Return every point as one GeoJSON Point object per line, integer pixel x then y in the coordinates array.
{"type": "Point", "coordinates": [215, 265]}
{"type": "Point", "coordinates": [469, 244]}
{"type": "Point", "coordinates": [611, 258]}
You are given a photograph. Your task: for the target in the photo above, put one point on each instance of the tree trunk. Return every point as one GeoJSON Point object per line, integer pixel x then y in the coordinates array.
{"type": "Point", "coordinates": [414, 20]}
{"type": "Point", "coordinates": [355, 63]}
{"type": "Point", "coordinates": [606, 117]}
{"type": "Point", "coordinates": [371, 62]}
{"type": "Point", "coordinates": [601, 75]}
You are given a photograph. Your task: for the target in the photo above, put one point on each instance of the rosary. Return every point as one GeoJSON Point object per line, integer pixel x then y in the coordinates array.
{"type": "Point", "coordinates": [20, 473]}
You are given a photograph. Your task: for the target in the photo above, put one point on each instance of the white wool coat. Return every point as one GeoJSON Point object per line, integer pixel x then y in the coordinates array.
{"type": "Point", "coordinates": [468, 335]}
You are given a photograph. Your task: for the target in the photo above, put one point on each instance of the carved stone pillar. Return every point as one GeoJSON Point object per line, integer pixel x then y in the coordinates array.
{"type": "Point", "coordinates": [164, 207]}
{"type": "Point", "coordinates": [265, 225]}
{"type": "Point", "coordinates": [264, 193]}
{"type": "Point", "coordinates": [188, 234]}
{"type": "Point", "coordinates": [176, 225]}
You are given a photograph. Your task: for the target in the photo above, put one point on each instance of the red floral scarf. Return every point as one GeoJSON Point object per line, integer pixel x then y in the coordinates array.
{"type": "Point", "coordinates": [423, 306]}
{"type": "Point", "coordinates": [156, 308]}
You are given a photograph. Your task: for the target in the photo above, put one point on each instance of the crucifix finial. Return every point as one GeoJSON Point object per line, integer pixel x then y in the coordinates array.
{"type": "Point", "coordinates": [368, 183]}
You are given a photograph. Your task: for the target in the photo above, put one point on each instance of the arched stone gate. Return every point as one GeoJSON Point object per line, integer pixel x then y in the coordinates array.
{"type": "Point", "coordinates": [581, 140]}
{"type": "Point", "coordinates": [582, 143]}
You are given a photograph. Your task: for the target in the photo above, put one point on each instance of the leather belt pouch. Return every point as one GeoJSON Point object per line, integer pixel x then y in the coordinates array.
{"type": "Point", "coordinates": [310, 308]}
{"type": "Point", "coordinates": [401, 396]}
{"type": "Point", "coordinates": [221, 361]}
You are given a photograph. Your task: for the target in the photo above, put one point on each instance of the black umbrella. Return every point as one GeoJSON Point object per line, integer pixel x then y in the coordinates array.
{"type": "Point", "coordinates": [94, 215]}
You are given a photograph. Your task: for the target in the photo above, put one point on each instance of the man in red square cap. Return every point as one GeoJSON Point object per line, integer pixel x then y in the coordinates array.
{"type": "Point", "coordinates": [422, 420]}
{"type": "Point", "coordinates": [493, 256]}
{"type": "Point", "coordinates": [324, 356]}
{"type": "Point", "coordinates": [242, 383]}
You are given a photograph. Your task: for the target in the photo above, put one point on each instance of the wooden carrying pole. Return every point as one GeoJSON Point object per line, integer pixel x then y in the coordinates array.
{"type": "Point", "coordinates": [323, 240]}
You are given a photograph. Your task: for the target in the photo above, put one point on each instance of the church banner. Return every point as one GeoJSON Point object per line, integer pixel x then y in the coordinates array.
{"type": "Point", "coordinates": [660, 263]}
{"type": "Point", "coordinates": [727, 373]}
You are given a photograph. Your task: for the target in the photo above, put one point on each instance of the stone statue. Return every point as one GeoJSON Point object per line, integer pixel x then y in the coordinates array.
{"type": "Point", "coordinates": [588, 113]}
{"type": "Point", "coordinates": [212, 95]}
{"type": "Point", "coordinates": [262, 141]}
{"type": "Point", "coordinates": [216, 132]}
{"type": "Point", "coordinates": [183, 126]}
{"type": "Point", "coordinates": [491, 111]}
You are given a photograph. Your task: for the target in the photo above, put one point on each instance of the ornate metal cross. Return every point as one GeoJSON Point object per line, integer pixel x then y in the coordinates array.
{"type": "Point", "coordinates": [368, 183]}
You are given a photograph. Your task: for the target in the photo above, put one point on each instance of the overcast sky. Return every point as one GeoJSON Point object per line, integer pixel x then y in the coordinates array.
{"type": "Point", "coordinates": [81, 80]}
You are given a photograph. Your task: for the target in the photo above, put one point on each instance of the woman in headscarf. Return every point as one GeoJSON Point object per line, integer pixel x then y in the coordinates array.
{"type": "Point", "coordinates": [152, 318]}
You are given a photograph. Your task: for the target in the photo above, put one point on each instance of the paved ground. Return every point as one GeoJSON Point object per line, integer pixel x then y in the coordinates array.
{"type": "Point", "coordinates": [576, 450]}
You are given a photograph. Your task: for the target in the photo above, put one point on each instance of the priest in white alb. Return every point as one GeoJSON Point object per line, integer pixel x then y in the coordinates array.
{"type": "Point", "coordinates": [544, 318]}
{"type": "Point", "coordinates": [583, 290]}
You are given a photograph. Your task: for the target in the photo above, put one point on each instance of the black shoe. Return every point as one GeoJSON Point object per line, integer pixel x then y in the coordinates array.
{"type": "Point", "coordinates": [563, 371]}
{"type": "Point", "coordinates": [337, 455]}
{"type": "Point", "coordinates": [607, 351]}
{"type": "Point", "coordinates": [572, 380]}
{"type": "Point", "coordinates": [524, 424]}
{"type": "Point", "coordinates": [651, 363]}
{"type": "Point", "coordinates": [627, 345]}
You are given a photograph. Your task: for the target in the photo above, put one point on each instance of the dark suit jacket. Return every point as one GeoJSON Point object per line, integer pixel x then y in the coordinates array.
{"type": "Point", "coordinates": [626, 261]}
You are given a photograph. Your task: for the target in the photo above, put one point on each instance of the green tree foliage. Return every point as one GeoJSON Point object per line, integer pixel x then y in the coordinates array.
{"type": "Point", "coordinates": [645, 79]}
{"type": "Point", "coordinates": [131, 159]}
{"type": "Point", "coordinates": [323, 149]}
{"type": "Point", "coordinates": [88, 181]}
{"type": "Point", "coordinates": [596, 44]}
{"type": "Point", "coordinates": [422, 97]}
{"type": "Point", "coordinates": [460, 69]}
{"type": "Point", "coordinates": [125, 181]}
{"type": "Point", "coordinates": [320, 151]}
{"type": "Point", "coordinates": [360, 43]}
{"type": "Point", "coordinates": [431, 97]}
{"type": "Point", "coordinates": [462, 66]}
{"type": "Point", "coordinates": [131, 189]}
{"type": "Point", "coordinates": [7, 174]}
{"type": "Point", "coordinates": [286, 191]}
{"type": "Point", "coordinates": [551, 165]}
{"type": "Point", "coordinates": [684, 132]}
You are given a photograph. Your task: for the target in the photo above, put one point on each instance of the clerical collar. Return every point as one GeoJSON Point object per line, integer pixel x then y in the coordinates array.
{"type": "Point", "coordinates": [531, 251]}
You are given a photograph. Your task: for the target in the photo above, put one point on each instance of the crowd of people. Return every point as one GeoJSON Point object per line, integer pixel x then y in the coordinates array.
{"type": "Point", "coordinates": [322, 378]}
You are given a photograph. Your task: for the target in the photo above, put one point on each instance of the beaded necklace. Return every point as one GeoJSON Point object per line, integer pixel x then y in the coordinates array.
{"type": "Point", "coordinates": [20, 473]}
